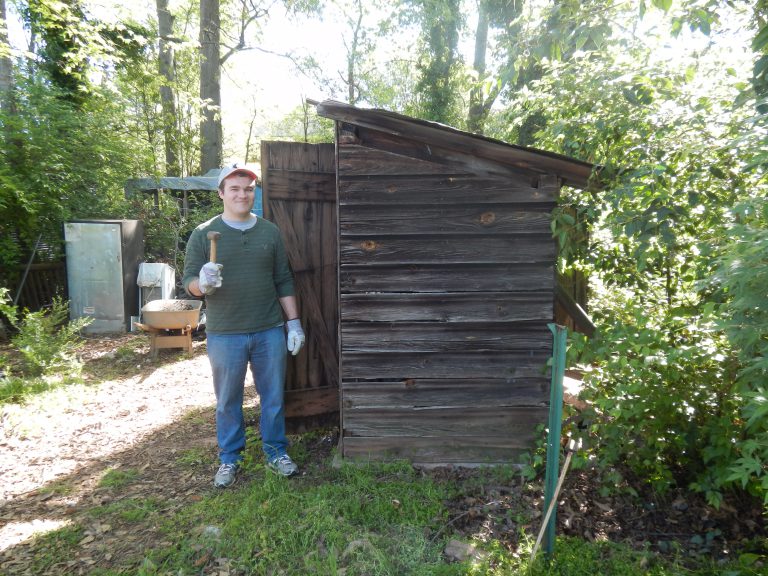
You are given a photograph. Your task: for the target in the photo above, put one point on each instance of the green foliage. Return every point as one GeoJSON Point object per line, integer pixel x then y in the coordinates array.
{"type": "Point", "coordinates": [368, 519]}
{"type": "Point", "coordinates": [47, 341]}
{"type": "Point", "coordinates": [664, 408]}
{"type": "Point", "coordinates": [115, 478]}
{"type": "Point", "coordinates": [54, 546]}
{"type": "Point", "coordinates": [303, 125]}
{"type": "Point", "coordinates": [662, 373]}
{"type": "Point", "coordinates": [439, 87]}
{"type": "Point", "coordinates": [61, 163]}
{"type": "Point", "coordinates": [742, 277]}
{"type": "Point", "coordinates": [128, 509]}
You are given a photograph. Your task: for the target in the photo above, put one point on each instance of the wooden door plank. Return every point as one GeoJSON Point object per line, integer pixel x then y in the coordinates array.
{"type": "Point", "coordinates": [317, 329]}
{"type": "Point", "coordinates": [302, 186]}
{"type": "Point", "coordinates": [311, 402]}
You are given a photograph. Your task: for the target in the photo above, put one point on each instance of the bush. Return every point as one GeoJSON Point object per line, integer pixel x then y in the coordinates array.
{"type": "Point", "coordinates": [45, 339]}
{"type": "Point", "coordinates": [664, 396]}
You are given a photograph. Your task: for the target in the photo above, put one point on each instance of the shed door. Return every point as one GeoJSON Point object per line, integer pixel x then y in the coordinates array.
{"type": "Point", "coordinates": [299, 194]}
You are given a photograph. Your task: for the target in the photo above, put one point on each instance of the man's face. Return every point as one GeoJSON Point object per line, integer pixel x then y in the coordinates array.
{"type": "Point", "coordinates": [238, 196]}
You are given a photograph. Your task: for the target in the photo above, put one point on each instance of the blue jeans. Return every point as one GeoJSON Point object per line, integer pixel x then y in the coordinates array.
{"type": "Point", "coordinates": [230, 355]}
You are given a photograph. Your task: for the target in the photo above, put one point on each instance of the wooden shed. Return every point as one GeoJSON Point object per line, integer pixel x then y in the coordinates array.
{"type": "Point", "coordinates": [445, 283]}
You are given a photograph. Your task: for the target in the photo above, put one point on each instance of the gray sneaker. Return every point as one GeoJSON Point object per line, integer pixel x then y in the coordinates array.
{"type": "Point", "coordinates": [283, 465]}
{"type": "Point", "coordinates": [225, 476]}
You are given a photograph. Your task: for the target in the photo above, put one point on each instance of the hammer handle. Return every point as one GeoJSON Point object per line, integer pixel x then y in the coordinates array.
{"type": "Point", "coordinates": [213, 250]}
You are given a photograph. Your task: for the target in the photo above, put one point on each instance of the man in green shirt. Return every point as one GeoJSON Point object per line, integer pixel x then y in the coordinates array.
{"type": "Point", "coordinates": [247, 291]}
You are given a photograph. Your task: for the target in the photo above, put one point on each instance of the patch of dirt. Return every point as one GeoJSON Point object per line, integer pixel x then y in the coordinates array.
{"type": "Point", "coordinates": [153, 422]}
{"type": "Point", "coordinates": [678, 524]}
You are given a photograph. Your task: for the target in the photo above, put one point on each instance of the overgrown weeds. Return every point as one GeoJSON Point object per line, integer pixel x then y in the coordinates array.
{"type": "Point", "coordinates": [45, 344]}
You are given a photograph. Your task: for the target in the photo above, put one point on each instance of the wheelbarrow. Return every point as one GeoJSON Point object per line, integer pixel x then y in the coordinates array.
{"type": "Point", "coordinates": [170, 323]}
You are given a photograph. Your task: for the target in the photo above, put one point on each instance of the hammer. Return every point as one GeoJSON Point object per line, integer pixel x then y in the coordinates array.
{"type": "Point", "coordinates": [213, 237]}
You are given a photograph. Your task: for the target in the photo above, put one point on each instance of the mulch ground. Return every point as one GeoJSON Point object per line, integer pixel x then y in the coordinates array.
{"type": "Point", "coordinates": [153, 416]}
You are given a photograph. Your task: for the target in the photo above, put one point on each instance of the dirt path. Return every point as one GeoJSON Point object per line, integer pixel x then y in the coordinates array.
{"type": "Point", "coordinates": [57, 433]}
{"type": "Point", "coordinates": [147, 422]}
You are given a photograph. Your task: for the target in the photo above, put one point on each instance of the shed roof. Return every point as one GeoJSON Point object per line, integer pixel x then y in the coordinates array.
{"type": "Point", "coordinates": [206, 182]}
{"type": "Point", "coordinates": [572, 172]}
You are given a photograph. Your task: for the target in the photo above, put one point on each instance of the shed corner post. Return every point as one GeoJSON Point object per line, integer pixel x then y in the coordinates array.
{"type": "Point", "coordinates": [560, 335]}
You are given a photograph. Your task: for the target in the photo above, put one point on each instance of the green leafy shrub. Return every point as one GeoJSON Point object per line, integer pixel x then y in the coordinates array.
{"type": "Point", "coordinates": [665, 409]}
{"type": "Point", "coordinates": [743, 279]}
{"type": "Point", "coordinates": [46, 340]}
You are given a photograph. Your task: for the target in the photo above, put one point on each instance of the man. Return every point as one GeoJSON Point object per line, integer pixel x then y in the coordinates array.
{"type": "Point", "coordinates": [247, 290]}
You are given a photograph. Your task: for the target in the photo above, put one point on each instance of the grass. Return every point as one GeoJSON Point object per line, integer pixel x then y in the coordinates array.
{"type": "Point", "coordinates": [129, 509]}
{"type": "Point", "coordinates": [354, 520]}
{"type": "Point", "coordinates": [55, 548]}
{"type": "Point", "coordinates": [192, 457]}
{"type": "Point", "coordinates": [115, 478]}
{"type": "Point", "coordinates": [376, 520]}
{"type": "Point", "coordinates": [368, 520]}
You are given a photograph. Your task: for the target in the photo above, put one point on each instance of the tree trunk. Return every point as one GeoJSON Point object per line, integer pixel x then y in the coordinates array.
{"type": "Point", "coordinates": [210, 86]}
{"type": "Point", "coordinates": [8, 98]}
{"type": "Point", "coordinates": [6, 66]}
{"type": "Point", "coordinates": [477, 113]}
{"type": "Point", "coordinates": [167, 96]}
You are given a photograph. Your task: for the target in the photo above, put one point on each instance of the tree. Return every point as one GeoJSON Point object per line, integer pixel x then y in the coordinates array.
{"type": "Point", "coordinates": [166, 63]}
{"type": "Point", "coordinates": [210, 86]}
{"type": "Point", "coordinates": [440, 84]}
{"type": "Point", "coordinates": [6, 65]}
{"type": "Point", "coordinates": [63, 30]}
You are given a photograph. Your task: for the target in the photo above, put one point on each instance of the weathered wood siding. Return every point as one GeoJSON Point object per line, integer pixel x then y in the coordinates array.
{"type": "Point", "coordinates": [446, 287]}
{"type": "Point", "coordinates": [299, 191]}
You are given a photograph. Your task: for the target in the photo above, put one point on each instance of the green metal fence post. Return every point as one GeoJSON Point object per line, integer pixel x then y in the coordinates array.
{"type": "Point", "coordinates": [560, 334]}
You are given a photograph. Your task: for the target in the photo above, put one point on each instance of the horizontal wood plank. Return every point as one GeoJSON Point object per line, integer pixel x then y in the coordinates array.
{"type": "Point", "coordinates": [427, 250]}
{"type": "Point", "coordinates": [355, 160]}
{"type": "Point", "coordinates": [574, 172]}
{"type": "Point", "coordinates": [440, 190]}
{"type": "Point", "coordinates": [472, 450]}
{"type": "Point", "coordinates": [444, 336]}
{"type": "Point", "coordinates": [302, 186]}
{"type": "Point", "coordinates": [447, 278]}
{"type": "Point", "coordinates": [390, 219]}
{"type": "Point", "coordinates": [449, 307]}
{"type": "Point", "coordinates": [419, 392]}
{"type": "Point", "coordinates": [436, 422]}
{"type": "Point", "coordinates": [441, 151]}
{"type": "Point", "coordinates": [402, 366]}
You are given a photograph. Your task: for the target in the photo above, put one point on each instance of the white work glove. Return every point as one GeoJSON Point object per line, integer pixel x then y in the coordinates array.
{"type": "Point", "coordinates": [210, 277]}
{"type": "Point", "coordinates": [295, 336]}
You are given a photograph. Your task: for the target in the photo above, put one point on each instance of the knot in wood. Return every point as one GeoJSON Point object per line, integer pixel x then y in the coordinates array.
{"type": "Point", "coordinates": [487, 218]}
{"type": "Point", "coordinates": [368, 245]}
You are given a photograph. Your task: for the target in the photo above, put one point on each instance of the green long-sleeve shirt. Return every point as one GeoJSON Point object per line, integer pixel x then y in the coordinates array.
{"type": "Point", "coordinates": [255, 275]}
